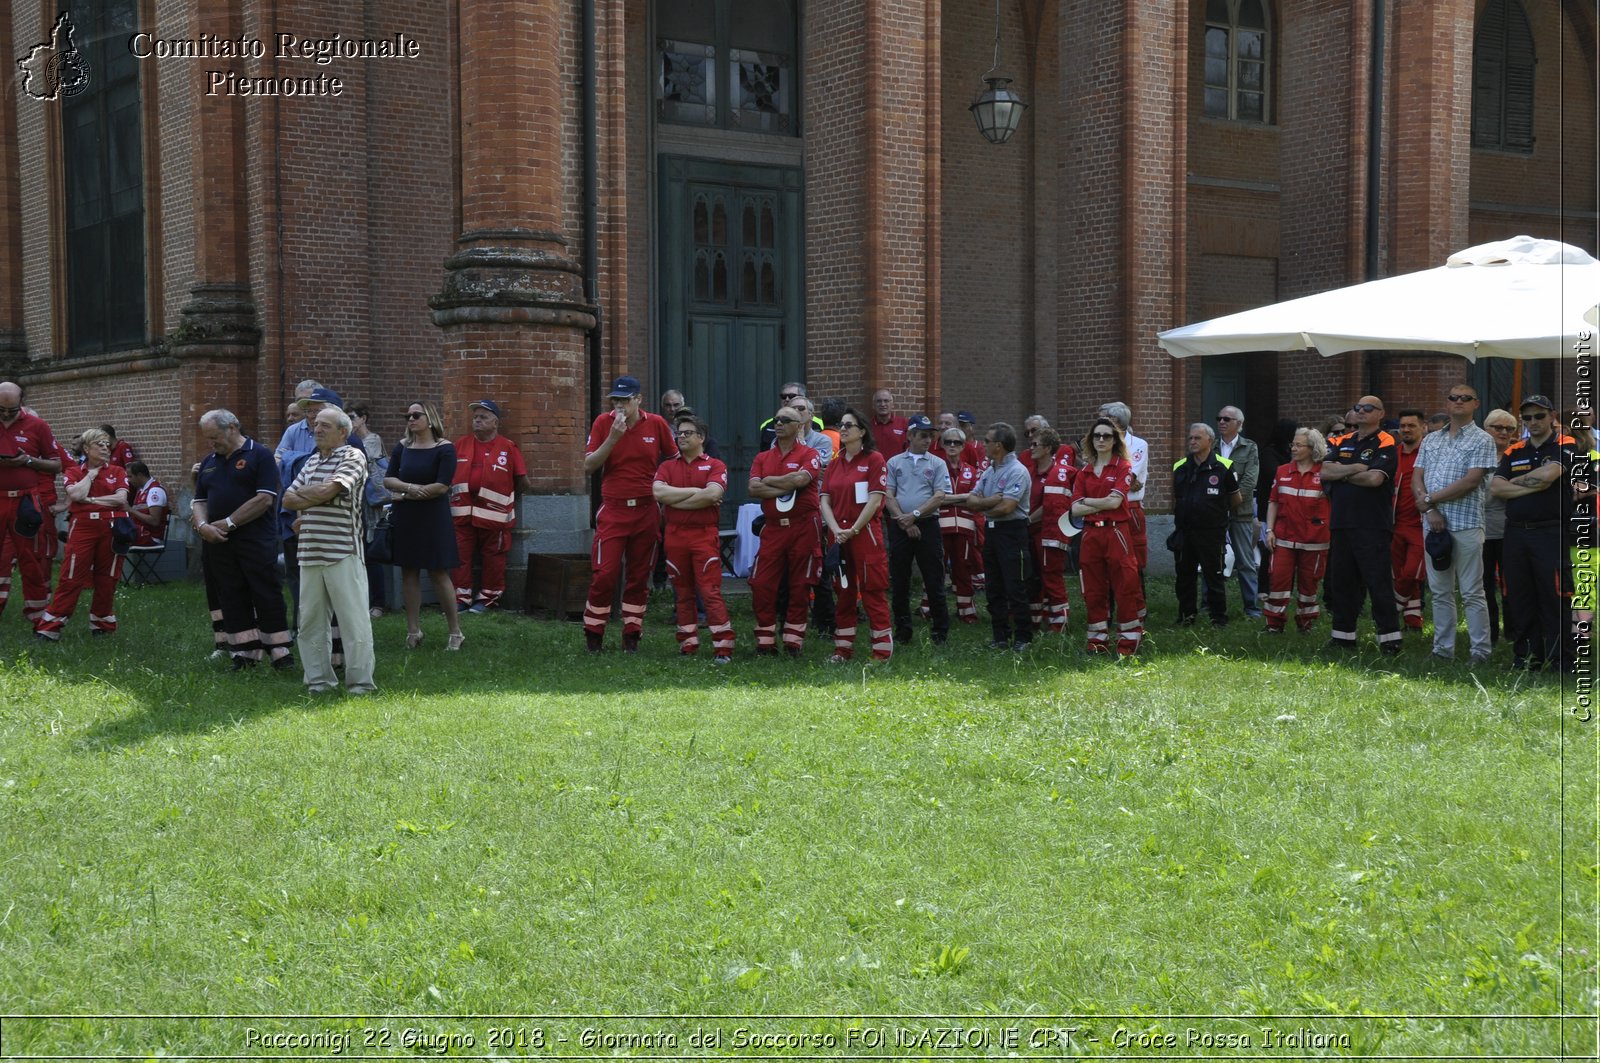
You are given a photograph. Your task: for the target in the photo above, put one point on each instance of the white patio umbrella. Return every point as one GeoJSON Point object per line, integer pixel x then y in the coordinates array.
{"type": "Point", "coordinates": [1517, 298]}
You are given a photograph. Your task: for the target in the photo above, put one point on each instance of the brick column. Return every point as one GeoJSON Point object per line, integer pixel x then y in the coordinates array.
{"type": "Point", "coordinates": [1121, 218]}
{"type": "Point", "coordinates": [218, 340]}
{"type": "Point", "coordinates": [1428, 171]}
{"type": "Point", "coordinates": [13, 341]}
{"type": "Point", "coordinates": [512, 306]}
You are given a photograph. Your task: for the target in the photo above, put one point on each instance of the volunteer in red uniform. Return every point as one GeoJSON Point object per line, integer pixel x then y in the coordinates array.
{"type": "Point", "coordinates": [97, 494]}
{"type": "Point", "coordinates": [1058, 472]}
{"type": "Point", "coordinates": [150, 506]}
{"type": "Point", "coordinates": [959, 527]}
{"type": "Point", "coordinates": [853, 490]}
{"type": "Point", "coordinates": [1298, 533]}
{"type": "Point", "coordinates": [625, 445]}
{"type": "Point", "coordinates": [690, 488]}
{"type": "Point", "coordinates": [1107, 561]}
{"type": "Point", "coordinates": [888, 428]}
{"type": "Point", "coordinates": [1406, 554]}
{"type": "Point", "coordinates": [976, 454]}
{"type": "Point", "coordinates": [483, 505]}
{"type": "Point", "coordinates": [784, 477]}
{"type": "Point", "coordinates": [27, 453]}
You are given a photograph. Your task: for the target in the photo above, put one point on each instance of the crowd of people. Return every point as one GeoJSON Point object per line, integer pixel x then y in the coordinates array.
{"type": "Point", "coordinates": [1357, 511]}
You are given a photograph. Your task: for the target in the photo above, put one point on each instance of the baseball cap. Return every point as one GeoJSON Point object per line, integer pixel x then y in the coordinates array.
{"type": "Point", "coordinates": [1539, 400]}
{"type": "Point", "coordinates": [625, 387]}
{"type": "Point", "coordinates": [1439, 546]}
{"type": "Point", "coordinates": [919, 423]}
{"type": "Point", "coordinates": [327, 395]}
{"type": "Point", "coordinates": [487, 404]}
{"type": "Point", "coordinates": [964, 417]}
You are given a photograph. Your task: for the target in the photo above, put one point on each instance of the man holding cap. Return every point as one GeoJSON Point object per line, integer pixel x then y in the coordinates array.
{"type": "Point", "coordinates": [919, 483]}
{"type": "Point", "coordinates": [483, 506]}
{"type": "Point", "coordinates": [626, 445]}
{"type": "Point", "coordinates": [1535, 479]}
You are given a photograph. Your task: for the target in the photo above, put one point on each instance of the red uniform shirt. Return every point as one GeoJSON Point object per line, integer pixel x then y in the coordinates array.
{"type": "Point", "coordinates": [774, 462]}
{"type": "Point", "coordinates": [112, 478]}
{"type": "Point", "coordinates": [1302, 507]}
{"type": "Point", "coordinates": [1405, 503]}
{"type": "Point", "coordinates": [889, 436]}
{"type": "Point", "coordinates": [631, 467]}
{"type": "Point", "coordinates": [963, 478]}
{"type": "Point", "coordinates": [681, 472]}
{"type": "Point", "coordinates": [1059, 480]}
{"type": "Point", "coordinates": [483, 491]}
{"type": "Point", "coordinates": [850, 482]}
{"type": "Point", "coordinates": [1117, 476]}
{"type": "Point", "coordinates": [26, 435]}
{"type": "Point", "coordinates": [122, 453]}
{"type": "Point", "coordinates": [973, 453]}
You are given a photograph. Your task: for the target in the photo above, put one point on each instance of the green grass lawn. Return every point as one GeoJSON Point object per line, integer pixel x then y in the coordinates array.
{"type": "Point", "coordinates": [1234, 825]}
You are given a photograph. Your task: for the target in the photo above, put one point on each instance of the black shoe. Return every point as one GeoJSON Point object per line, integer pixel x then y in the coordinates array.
{"type": "Point", "coordinates": [1340, 645]}
{"type": "Point", "coordinates": [999, 644]}
{"type": "Point", "coordinates": [242, 663]}
{"type": "Point", "coordinates": [902, 638]}
{"type": "Point", "coordinates": [98, 632]}
{"type": "Point", "coordinates": [940, 639]}
{"type": "Point", "coordinates": [1186, 621]}
{"type": "Point", "coordinates": [1021, 644]}
{"type": "Point", "coordinates": [284, 663]}
{"type": "Point", "coordinates": [630, 642]}
{"type": "Point", "coordinates": [593, 642]}
{"type": "Point", "coordinates": [792, 651]}
{"type": "Point", "coordinates": [766, 653]}
{"type": "Point", "coordinates": [1219, 621]}
{"type": "Point", "coordinates": [1390, 649]}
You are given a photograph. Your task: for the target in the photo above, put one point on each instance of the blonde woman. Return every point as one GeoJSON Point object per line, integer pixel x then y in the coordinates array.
{"type": "Point", "coordinates": [96, 494]}
{"type": "Point", "coordinates": [420, 471]}
{"type": "Point", "coordinates": [1297, 533]}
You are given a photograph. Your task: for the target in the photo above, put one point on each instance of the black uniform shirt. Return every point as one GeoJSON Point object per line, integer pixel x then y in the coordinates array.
{"type": "Point", "coordinates": [1201, 491]}
{"type": "Point", "coordinates": [225, 484]}
{"type": "Point", "coordinates": [1362, 507]}
{"type": "Point", "coordinates": [1555, 501]}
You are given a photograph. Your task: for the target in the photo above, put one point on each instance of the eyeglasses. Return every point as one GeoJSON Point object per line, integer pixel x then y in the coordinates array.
{"type": "Point", "coordinates": [1364, 407]}
{"type": "Point", "coordinates": [687, 432]}
{"type": "Point", "coordinates": [415, 416]}
{"type": "Point", "coordinates": [10, 411]}
{"type": "Point", "coordinates": [1102, 435]}
{"type": "Point", "coordinates": [790, 420]}
{"type": "Point", "coordinates": [1501, 427]}
{"type": "Point", "coordinates": [1459, 398]}
{"type": "Point", "coordinates": [1535, 416]}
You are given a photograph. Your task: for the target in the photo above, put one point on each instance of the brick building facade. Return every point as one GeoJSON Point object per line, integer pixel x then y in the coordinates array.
{"type": "Point", "coordinates": [423, 233]}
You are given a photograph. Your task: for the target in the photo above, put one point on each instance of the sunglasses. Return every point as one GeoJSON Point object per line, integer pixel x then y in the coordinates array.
{"type": "Point", "coordinates": [687, 432]}
{"type": "Point", "coordinates": [1222, 417]}
{"type": "Point", "coordinates": [788, 397]}
{"type": "Point", "coordinates": [1501, 427]}
{"type": "Point", "coordinates": [1534, 416]}
{"type": "Point", "coordinates": [1102, 435]}
{"type": "Point", "coordinates": [954, 442]}
{"type": "Point", "coordinates": [1459, 398]}
{"type": "Point", "coordinates": [10, 411]}
{"type": "Point", "coordinates": [415, 416]}
{"type": "Point", "coordinates": [1364, 407]}
{"type": "Point", "coordinates": [790, 420]}
{"type": "Point", "coordinates": [843, 425]}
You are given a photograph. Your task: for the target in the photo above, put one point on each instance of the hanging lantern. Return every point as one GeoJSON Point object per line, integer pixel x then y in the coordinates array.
{"type": "Point", "coordinates": [997, 110]}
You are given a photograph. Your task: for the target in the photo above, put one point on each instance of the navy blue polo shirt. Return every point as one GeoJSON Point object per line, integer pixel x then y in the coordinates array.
{"type": "Point", "coordinates": [1363, 507]}
{"type": "Point", "coordinates": [1554, 502]}
{"type": "Point", "coordinates": [225, 484]}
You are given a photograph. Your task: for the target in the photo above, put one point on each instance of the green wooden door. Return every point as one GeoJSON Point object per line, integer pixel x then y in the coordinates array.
{"type": "Point", "coordinates": [731, 286]}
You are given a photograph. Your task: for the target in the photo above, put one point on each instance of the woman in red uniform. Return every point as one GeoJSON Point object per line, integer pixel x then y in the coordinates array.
{"type": "Point", "coordinates": [853, 488]}
{"type": "Point", "coordinates": [1297, 533]}
{"type": "Point", "coordinates": [1107, 563]}
{"type": "Point", "coordinates": [958, 528]}
{"type": "Point", "coordinates": [97, 494]}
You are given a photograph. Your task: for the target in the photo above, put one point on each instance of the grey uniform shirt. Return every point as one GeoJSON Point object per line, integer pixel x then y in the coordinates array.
{"type": "Point", "coordinates": [915, 478]}
{"type": "Point", "coordinates": [1011, 479]}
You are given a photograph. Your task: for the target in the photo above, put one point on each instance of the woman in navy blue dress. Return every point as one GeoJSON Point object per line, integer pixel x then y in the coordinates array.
{"type": "Point", "coordinates": [420, 471]}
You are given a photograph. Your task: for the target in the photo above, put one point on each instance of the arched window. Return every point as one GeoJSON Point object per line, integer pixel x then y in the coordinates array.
{"type": "Point", "coordinates": [1502, 79]}
{"type": "Point", "coordinates": [1237, 60]}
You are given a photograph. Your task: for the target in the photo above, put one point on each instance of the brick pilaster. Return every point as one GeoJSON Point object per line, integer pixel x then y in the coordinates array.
{"type": "Point", "coordinates": [13, 339]}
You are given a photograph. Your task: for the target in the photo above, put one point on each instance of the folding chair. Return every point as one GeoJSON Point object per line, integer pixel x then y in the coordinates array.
{"type": "Point", "coordinates": [143, 563]}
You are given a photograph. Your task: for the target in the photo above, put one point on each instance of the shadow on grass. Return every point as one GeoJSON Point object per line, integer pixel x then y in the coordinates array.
{"type": "Point", "coordinates": [158, 661]}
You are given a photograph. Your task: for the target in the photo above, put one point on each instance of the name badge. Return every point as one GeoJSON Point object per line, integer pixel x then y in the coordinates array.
{"type": "Point", "coordinates": [861, 492]}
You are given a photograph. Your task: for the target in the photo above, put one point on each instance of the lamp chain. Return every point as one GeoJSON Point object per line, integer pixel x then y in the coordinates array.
{"type": "Point", "coordinates": [996, 65]}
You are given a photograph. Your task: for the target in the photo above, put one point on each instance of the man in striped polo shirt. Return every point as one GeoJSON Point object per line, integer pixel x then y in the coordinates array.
{"type": "Point", "coordinates": [326, 497]}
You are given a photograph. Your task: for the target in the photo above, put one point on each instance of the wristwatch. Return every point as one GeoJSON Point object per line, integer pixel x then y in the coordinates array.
{"type": "Point", "coordinates": [229, 522]}
{"type": "Point", "coordinates": [916, 514]}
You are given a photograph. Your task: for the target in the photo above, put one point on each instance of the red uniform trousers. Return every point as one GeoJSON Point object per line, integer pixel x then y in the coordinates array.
{"type": "Point", "coordinates": [790, 553]}
{"type": "Point", "coordinates": [89, 561]}
{"type": "Point", "coordinates": [1301, 569]}
{"type": "Point", "coordinates": [23, 553]}
{"type": "Point", "coordinates": [694, 562]}
{"type": "Point", "coordinates": [962, 552]}
{"type": "Point", "coordinates": [1410, 563]}
{"type": "Point", "coordinates": [1053, 579]}
{"type": "Point", "coordinates": [491, 545]}
{"type": "Point", "coordinates": [623, 535]}
{"type": "Point", "coordinates": [1136, 528]}
{"type": "Point", "coordinates": [863, 574]}
{"type": "Point", "coordinates": [1107, 565]}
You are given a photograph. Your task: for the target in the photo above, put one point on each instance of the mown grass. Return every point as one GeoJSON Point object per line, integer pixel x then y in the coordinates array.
{"type": "Point", "coordinates": [1233, 825]}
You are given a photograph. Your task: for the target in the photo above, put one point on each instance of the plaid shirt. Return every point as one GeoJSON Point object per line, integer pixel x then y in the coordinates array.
{"type": "Point", "coordinates": [1445, 459]}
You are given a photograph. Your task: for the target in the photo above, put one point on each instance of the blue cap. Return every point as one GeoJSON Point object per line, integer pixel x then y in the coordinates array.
{"type": "Point", "coordinates": [918, 422]}
{"type": "Point", "coordinates": [487, 404]}
{"type": "Point", "coordinates": [325, 395]}
{"type": "Point", "coordinates": [625, 387]}
{"type": "Point", "coordinates": [964, 417]}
